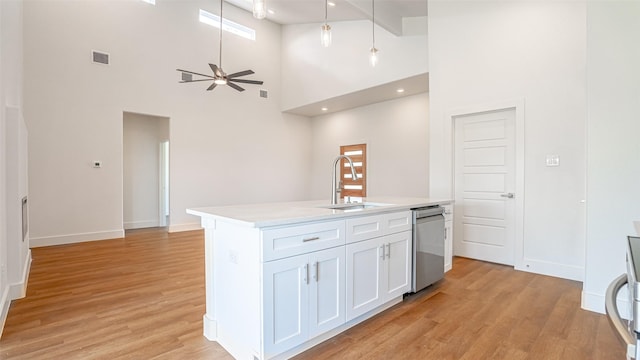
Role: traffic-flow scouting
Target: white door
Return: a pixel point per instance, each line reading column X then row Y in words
column 484, row 221
column 363, row 276
column 326, row 291
column 397, row 279
column 286, row 299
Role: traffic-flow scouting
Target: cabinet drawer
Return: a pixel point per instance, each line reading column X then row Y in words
column 294, row 240
column 363, row 228
column 398, row 222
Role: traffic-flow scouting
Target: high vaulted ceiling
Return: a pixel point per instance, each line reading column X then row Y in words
column 388, row 13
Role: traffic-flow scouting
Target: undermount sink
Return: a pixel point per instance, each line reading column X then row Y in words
column 352, row 207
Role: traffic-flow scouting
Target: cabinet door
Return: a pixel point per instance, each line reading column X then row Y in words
column 397, row 279
column 363, row 276
column 286, row 299
column 326, row 290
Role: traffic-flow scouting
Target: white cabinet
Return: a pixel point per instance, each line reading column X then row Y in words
column 364, row 276
column 448, row 236
column 304, row 296
column 378, row 269
column 397, row 265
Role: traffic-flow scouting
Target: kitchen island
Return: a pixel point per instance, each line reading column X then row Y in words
column 283, row 277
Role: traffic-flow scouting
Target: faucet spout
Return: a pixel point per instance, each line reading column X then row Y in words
column 334, row 190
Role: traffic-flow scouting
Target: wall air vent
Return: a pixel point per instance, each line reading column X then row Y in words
column 187, row 77
column 100, row 57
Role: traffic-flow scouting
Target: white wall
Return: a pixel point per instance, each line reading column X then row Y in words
column 395, row 132
column 223, row 147
column 313, row 73
column 613, row 93
column 481, row 53
column 14, row 254
column 142, row 135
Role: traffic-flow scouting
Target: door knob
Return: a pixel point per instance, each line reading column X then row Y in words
column 508, row 195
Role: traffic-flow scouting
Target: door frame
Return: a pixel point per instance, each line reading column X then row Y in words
column 519, row 106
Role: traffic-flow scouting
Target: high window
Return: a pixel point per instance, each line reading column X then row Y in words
column 349, row 186
column 227, row 25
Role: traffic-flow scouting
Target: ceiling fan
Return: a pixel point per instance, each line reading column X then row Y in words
column 219, row 76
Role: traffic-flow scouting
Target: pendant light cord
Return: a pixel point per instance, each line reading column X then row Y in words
column 220, row 62
column 326, row 4
column 373, row 21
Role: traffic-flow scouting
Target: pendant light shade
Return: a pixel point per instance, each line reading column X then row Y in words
column 325, row 35
column 325, row 31
column 373, row 57
column 259, row 9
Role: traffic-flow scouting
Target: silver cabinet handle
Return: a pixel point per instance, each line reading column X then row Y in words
column 306, row 274
column 508, row 195
column 311, row 239
column 382, row 252
column 315, row 271
column 445, row 233
column 388, row 251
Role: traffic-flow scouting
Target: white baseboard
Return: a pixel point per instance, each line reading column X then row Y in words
column 141, row 224
column 19, row 290
column 552, row 269
column 595, row 302
column 5, row 302
column 75, row 238
column 185, row 227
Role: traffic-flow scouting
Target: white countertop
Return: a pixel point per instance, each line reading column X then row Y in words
column 287, row 213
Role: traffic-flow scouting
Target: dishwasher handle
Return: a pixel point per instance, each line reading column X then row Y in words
column 424, row 212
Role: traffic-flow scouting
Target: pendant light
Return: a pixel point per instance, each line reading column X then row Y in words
column 325, row 33
column 259, row 9
column 373, row 53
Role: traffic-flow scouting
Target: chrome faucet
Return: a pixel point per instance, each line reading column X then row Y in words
column 334, row 191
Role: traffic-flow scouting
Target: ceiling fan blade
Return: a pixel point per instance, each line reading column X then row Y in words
column 241, row 73
column 194, row 73
column 216, row 70
column 257, row 82
column 235, row 86
column 185, row 81
column 212, row 87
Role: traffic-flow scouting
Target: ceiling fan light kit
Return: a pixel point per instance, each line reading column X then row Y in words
column 219, row 76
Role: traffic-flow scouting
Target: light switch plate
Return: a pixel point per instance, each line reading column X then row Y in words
column 553, row 160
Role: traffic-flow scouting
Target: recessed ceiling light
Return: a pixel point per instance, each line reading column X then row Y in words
column 324, row 109
column 400, row 91
column 331, row 3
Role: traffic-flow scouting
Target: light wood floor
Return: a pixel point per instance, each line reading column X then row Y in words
column 142, row 297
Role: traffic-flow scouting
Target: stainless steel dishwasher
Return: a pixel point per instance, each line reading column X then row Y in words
column 428, row 246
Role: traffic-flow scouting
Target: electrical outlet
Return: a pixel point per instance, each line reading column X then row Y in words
column 97, row 164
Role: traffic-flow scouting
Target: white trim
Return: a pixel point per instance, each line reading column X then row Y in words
column 552, row 269
column 519, row 105
column 185, row 227
column 141, row 224
column 5, row 302
column 593, row 302
column 75, row 238
column 19, row 290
